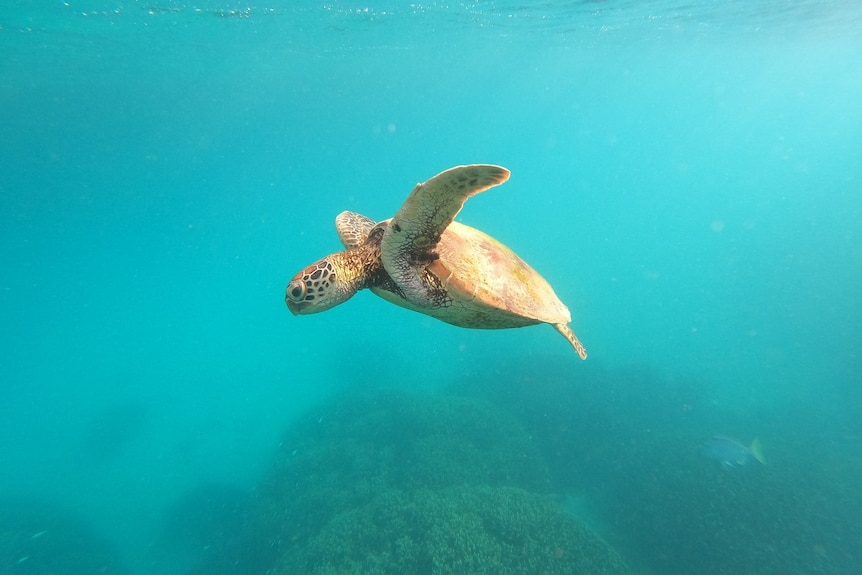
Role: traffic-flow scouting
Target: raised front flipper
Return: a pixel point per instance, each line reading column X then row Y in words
column 409, row 240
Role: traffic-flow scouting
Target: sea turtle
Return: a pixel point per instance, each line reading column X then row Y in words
column 424, row 261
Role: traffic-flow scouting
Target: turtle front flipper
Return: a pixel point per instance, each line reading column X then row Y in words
column 353, row 229
column 411, row 236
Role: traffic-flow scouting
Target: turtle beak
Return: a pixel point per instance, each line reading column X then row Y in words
column 294, row 308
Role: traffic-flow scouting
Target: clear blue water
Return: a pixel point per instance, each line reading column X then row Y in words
column 688, row 176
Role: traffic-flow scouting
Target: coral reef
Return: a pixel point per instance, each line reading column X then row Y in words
column 344, row 454
column 468, row 529
column 392, row 482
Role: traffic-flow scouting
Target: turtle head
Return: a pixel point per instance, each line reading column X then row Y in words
column 322, row 285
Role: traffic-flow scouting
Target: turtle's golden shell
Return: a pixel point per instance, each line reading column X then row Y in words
column 488, row 285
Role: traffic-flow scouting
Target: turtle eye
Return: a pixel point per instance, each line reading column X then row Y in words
column 296, row 290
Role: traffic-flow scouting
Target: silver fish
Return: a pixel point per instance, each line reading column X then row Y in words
column 731, row 453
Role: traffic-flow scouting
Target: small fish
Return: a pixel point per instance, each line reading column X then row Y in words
column 731, row 453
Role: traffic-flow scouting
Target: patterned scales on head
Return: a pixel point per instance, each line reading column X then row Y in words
column 424, row 261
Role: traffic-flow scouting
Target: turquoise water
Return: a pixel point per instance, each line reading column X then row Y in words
column 687, row 175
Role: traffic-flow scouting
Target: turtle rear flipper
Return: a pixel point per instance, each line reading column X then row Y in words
column 567, row 333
